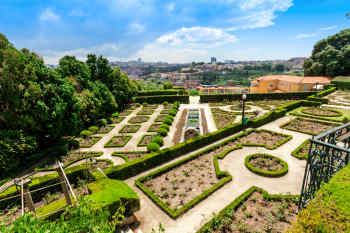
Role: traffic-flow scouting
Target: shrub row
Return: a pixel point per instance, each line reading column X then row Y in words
column 152, row 160
column 184, row 99
column 342, row 83
column 162, row 92
column 261, row 172
column 318, row 96
column 255, row 96
column 217, row 220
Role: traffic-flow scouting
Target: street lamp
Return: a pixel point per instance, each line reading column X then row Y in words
column 244, row 97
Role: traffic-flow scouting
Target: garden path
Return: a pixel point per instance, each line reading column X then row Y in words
column 151, row 215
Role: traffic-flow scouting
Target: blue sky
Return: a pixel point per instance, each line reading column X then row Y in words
column 171, row 30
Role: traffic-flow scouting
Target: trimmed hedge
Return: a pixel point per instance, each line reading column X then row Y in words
column 138, row 166
column 124, row 156
column 214, row 223
column 126, row 129
column 329, row 211
column 93, row 142
column 184, row 99
column 255, row 96
column 342, row 82
column 261, row 172
column 296, row 154
column 161, row 92
column 226, row 177
column 335, row 112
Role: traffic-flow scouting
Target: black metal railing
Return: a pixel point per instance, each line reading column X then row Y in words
column 328, row 153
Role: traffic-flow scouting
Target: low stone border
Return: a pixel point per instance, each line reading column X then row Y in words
column 261, row 172
column 336, row 112
column 213, row 224
column 109, row 145
column 296, row 154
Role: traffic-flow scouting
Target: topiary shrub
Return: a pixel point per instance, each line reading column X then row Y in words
column 93, row 129
column 144, row 104
column 115, row 115
column 165, row 103
column 138, row 105
column 168, row 121
column 345, row 119
column 158, row 140
column 163, row 132
column 102, row 122
column 165, row 126
column 85, row 133
column 173, row 112
column 153, row 147
column 109, row 120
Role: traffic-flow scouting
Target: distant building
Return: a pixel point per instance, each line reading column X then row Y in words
column 287, row 83
column 192, row 84
column 139, row 60
column 213, row 89
column 213, row 60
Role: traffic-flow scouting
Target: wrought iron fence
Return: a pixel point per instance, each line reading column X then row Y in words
column 328, row 153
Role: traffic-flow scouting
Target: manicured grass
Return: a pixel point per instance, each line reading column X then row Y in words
column 118, row 141
column 345, row 115
column 51, row 207
column 330, row 209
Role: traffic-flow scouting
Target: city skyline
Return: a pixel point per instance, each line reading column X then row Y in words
column 172, row 31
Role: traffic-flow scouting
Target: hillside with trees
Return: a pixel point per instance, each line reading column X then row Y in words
column 330, row 56
column 40, row 105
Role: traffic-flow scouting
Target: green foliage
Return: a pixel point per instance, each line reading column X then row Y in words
column 153, row 147
column 168, row 85
column 165, row 103
column 329, row 211
column 115, row 115
column 330, row 56
column 102, row 122
column 163, row 132
column 93, row 129
column 168, row 120
column 158, row 140
column 165, row 126
column 85, row 133
column 158, row 99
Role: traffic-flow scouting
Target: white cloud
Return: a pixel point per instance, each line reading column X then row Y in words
column 305, row 35
column 137, row 28
column 328, row 28
column 49, row 15
column 186, row 44
column 107, row 50
column 274, row 5
column 171, row 7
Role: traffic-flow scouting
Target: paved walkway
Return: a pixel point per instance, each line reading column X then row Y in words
column 151, row 215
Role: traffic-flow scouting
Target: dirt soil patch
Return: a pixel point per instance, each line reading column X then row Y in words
column 179, row 127
column 183, row 183
column 130, row 129
column 125, row 113
column 261, row 138
column 165, row 111
column 146, row 111
column 308, row 126
column 89, row 141
column 160, row 118
column 154, row 128
column 118, row 141
column 266, row 164
column 321, row 112
column 138, row 119
column 118, row 120
column 105, row 129
column 147, row 139
column 258, row 214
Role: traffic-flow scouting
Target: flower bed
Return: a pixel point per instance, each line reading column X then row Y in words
column 146, row 111
column 323, row 112
column 308, row 126
column 125, row 113
column 179, row 127
column 165, row 111
column 255, row 211
column 138, row 119
column 222, row 118
column 89, row 141
column 118, row 120
column 239, row 107
column 130, row 155
column 105, row 129
column 302, row 151
column 266, row 165
column 160, row 118
column 145, row 140
column 130, row 129
column 118, row 141
column 154, row 128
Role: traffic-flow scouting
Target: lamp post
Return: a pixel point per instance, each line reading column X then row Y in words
column 244, row 97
